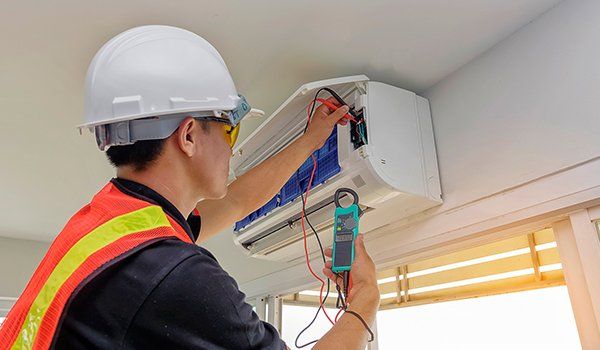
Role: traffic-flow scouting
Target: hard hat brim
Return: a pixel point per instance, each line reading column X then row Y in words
column 216, row 113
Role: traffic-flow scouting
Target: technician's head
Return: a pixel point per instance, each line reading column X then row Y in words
column 162, row 96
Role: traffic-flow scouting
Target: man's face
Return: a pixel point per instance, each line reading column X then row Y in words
column 212, row 163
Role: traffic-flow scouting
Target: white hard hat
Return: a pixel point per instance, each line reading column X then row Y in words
column 144, row 81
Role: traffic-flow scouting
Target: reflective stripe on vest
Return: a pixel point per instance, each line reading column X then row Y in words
column 33, row 321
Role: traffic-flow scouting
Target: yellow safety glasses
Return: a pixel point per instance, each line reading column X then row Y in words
column 231, row 133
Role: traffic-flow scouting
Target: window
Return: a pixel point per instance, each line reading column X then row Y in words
column 474, row 284
column 534, row 319
column 296, row 317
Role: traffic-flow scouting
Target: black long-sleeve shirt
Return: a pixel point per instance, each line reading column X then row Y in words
column 167, row 295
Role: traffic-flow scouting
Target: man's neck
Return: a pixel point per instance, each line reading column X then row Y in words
column 176, row 191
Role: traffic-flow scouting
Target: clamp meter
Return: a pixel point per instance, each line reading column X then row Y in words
column 345, row 230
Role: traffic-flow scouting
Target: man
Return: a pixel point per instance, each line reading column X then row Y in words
column 124, row 273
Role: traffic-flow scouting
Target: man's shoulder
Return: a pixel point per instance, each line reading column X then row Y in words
column 178, row 245
column 179, row 250
column 174, row 254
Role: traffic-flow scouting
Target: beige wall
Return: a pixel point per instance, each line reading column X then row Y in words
column 18, row 260
column 526, row 108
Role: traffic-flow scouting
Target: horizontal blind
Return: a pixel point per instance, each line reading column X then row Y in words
column 520, row 263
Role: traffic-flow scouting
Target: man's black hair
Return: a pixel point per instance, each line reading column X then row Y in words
column 139, row 155
column 142, row 153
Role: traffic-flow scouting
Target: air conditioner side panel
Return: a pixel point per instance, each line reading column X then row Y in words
column 432, row 174
column 394, row 137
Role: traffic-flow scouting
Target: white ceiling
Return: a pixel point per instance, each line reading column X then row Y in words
column 48, row 171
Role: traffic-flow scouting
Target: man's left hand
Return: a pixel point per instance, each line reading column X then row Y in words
column 323, row 121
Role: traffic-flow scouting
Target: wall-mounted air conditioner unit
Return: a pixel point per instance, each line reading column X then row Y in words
column 390, row 162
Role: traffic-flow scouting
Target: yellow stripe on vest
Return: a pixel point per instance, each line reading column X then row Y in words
column 148, row 218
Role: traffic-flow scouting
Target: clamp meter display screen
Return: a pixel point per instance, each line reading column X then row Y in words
column 345, row 228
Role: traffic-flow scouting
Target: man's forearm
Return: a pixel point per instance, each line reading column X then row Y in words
column 256, row 187
column 267, row 178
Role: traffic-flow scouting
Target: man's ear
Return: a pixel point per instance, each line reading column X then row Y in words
column 186, row 138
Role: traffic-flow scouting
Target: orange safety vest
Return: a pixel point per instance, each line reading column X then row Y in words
column 113, row 224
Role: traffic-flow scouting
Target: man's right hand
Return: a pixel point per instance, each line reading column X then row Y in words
column 363, row 275
column 348, row 332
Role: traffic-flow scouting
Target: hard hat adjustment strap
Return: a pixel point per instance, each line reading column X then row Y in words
column 238, row 113
column 129, row 131
column 154, row 128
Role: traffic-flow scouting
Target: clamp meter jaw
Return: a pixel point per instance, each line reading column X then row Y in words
column 345, row 231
